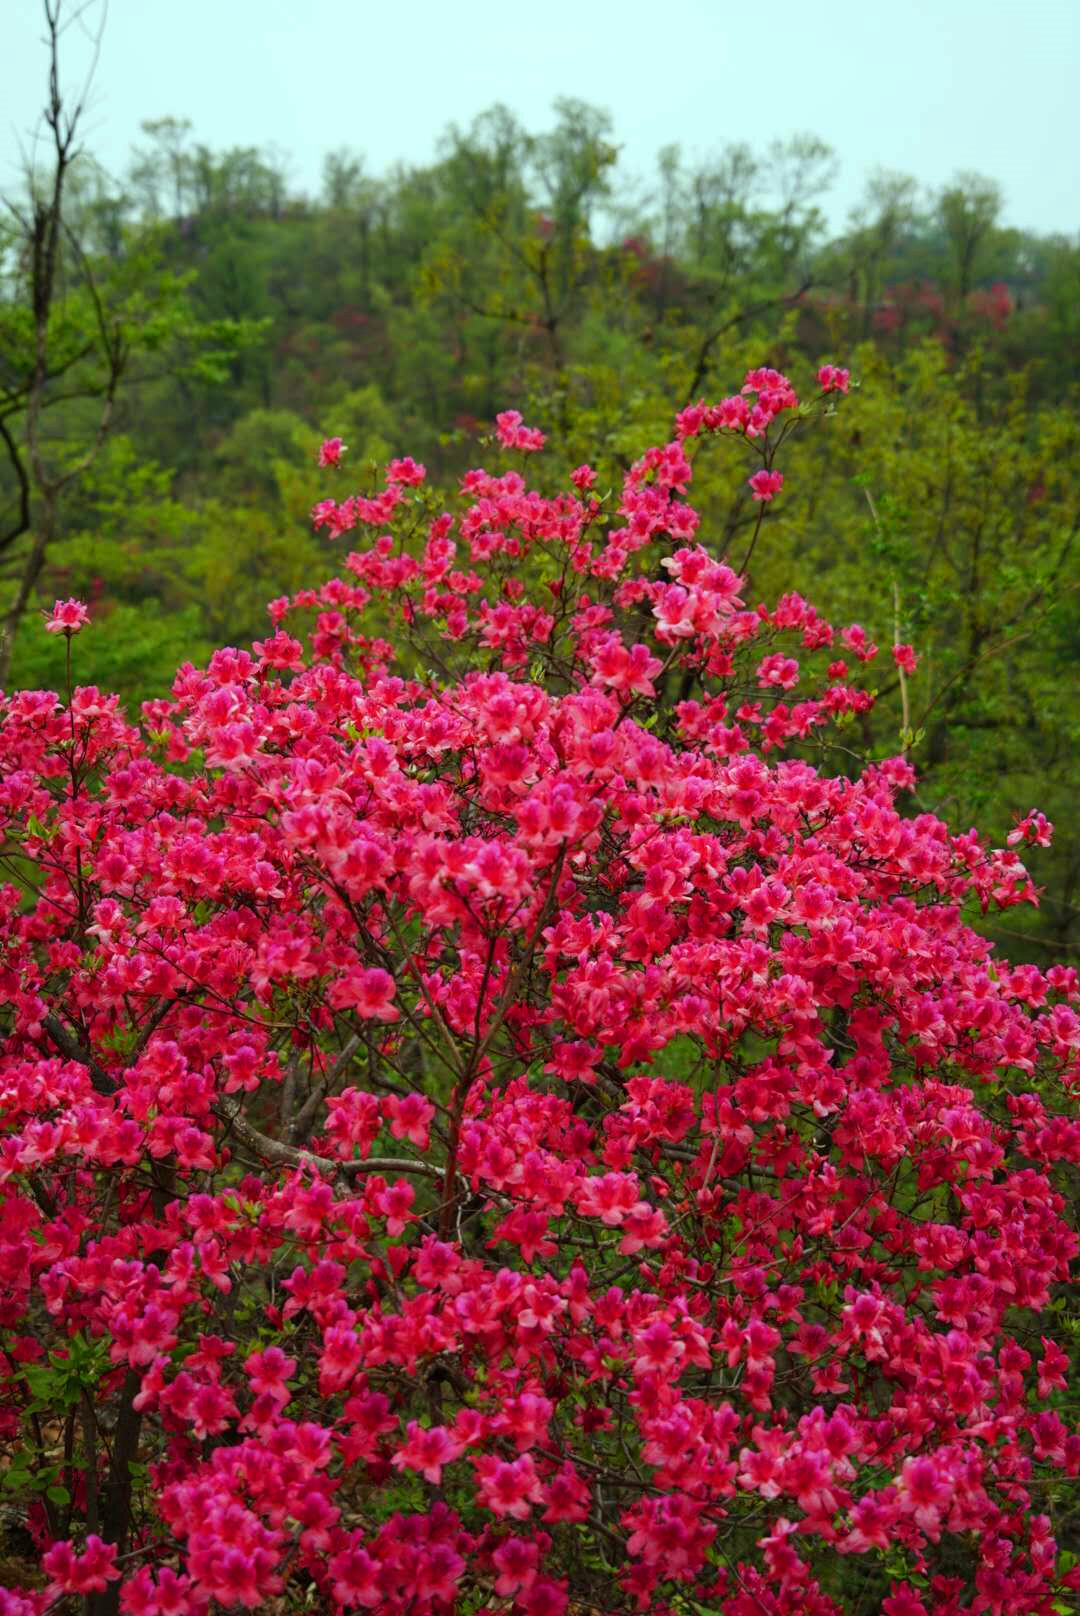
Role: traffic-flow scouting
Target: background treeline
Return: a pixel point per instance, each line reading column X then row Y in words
column 160, row 408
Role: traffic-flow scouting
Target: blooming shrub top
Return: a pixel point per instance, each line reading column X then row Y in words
column 487, row 1125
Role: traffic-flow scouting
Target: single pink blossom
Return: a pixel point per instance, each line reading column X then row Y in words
column 766, row 483
column 68, row 617
column 331, row 451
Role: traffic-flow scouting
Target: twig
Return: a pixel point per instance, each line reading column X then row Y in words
column 305, row 1118
column 701, row 364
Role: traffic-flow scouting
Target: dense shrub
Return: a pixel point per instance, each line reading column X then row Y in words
column 488, row 1124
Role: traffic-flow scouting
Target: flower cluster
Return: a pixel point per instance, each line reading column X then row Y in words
column 485, row 1123
column 513, row 434
column 833, row 379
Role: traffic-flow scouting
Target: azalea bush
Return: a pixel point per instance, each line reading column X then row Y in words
column 492, row 1121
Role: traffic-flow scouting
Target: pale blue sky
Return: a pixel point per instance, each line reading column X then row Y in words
column 927, row 87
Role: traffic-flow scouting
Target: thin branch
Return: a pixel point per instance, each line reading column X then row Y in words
column 14, row 400
column 701, row 363
column 150, row 1028
column 905, row 702
column 906, row 735
column 992, row 650
column 22, row 521
column 304, row 1120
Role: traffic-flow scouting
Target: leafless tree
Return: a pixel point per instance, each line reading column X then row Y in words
column 52, row 367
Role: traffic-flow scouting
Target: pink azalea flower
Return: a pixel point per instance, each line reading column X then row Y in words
column 67, row 617
column 331, row 451
column 766, row 484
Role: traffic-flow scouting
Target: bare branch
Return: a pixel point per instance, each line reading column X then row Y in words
column 273, row 1150
column 69, row 1046
column 304, row 1120
column 701, row 363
